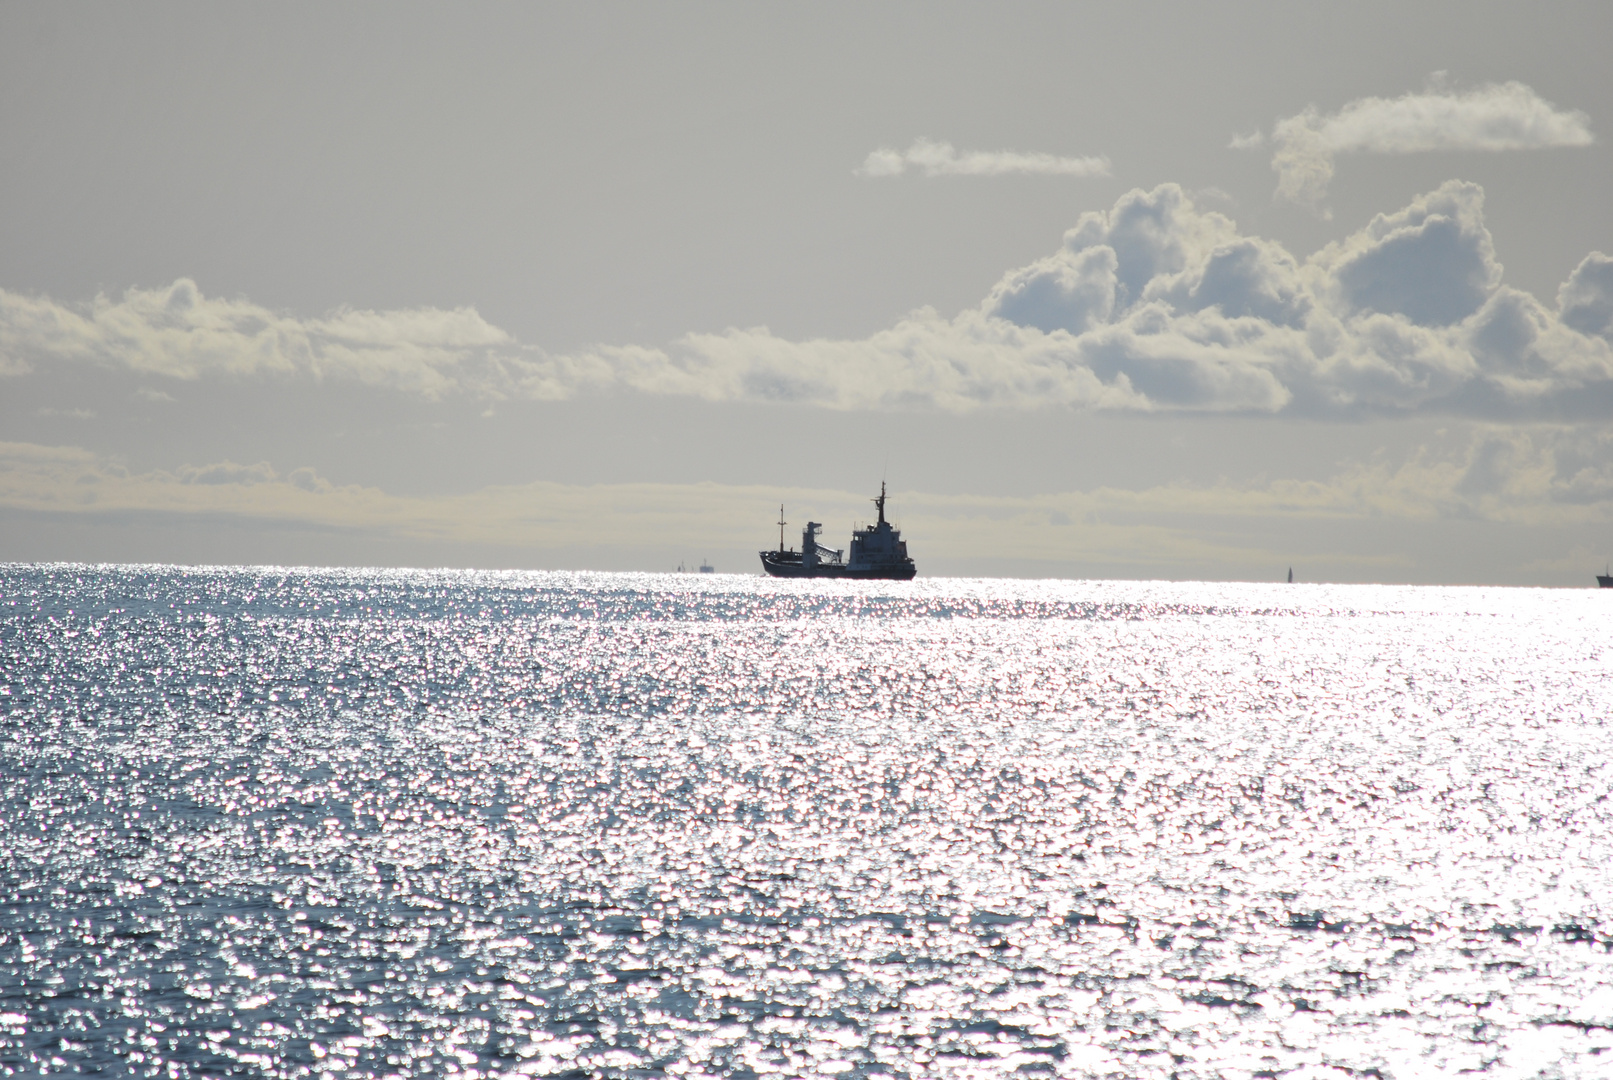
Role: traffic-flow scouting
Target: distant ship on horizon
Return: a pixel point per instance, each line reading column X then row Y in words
column 1605, row 580
column 877, row 552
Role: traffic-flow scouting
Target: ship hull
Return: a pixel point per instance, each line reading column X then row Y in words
column 1604, row 581
column 792, row 568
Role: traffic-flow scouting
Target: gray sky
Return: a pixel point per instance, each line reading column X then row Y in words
column 600, row 286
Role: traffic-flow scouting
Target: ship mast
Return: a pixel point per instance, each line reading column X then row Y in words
column 781, row 527
column 880, row 502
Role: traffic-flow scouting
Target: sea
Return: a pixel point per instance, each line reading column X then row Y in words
column 278, row 822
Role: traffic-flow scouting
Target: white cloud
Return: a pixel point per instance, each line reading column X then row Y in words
column 1432, row 262
column 307, row 479
column 1586, row 298
column 1154, row 305
column 1496, row 116
column 180, row 333
column 228, row 472
column 941, row 159
column 66, row 414
column 1157, row 305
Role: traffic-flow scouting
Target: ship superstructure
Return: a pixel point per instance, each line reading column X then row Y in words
column 877, row 551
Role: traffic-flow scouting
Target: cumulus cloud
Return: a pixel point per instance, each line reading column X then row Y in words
column 1153, row 305
column 941, row 159
column 1157, row 305
column 307, row 479
column 1432, row 262
column 180, row 333
column 1496, row 116
column 1586, row 298
column 1540, row 476
column 228, row 472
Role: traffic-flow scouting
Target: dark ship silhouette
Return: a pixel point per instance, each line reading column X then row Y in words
column 1605, row 580
column 877, row 552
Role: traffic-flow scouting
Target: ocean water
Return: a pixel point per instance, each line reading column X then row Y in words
column 293, row 823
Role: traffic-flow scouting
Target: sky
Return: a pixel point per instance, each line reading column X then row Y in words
column 1165, row 291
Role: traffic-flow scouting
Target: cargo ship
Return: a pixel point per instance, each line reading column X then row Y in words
column 878, row 552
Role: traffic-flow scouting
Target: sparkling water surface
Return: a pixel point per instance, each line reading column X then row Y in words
column 290, row 823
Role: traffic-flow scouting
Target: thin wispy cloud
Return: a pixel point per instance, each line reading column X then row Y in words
column 1539, row 478
column 942, row 159
column 1493, row 117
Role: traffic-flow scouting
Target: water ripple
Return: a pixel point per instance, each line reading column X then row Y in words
column 366, row 823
